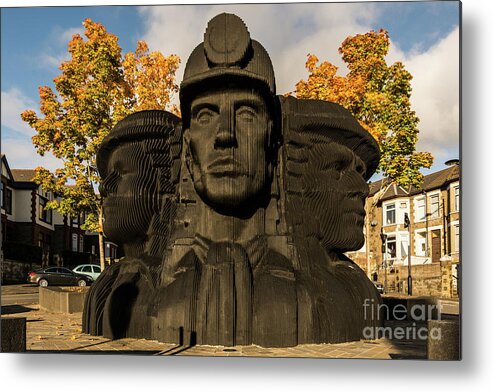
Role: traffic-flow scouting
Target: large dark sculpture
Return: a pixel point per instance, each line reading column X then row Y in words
column 234, row 222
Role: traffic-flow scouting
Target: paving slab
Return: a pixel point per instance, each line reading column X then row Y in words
column 62, row 333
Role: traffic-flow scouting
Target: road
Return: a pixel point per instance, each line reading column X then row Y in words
column 19, row 294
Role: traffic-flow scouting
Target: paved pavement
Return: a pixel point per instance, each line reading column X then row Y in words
column 19, row 294
column 54, row 332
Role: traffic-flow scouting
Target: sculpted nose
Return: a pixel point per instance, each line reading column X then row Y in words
column 225, row 136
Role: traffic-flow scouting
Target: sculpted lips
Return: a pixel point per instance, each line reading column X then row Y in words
column 225, row 166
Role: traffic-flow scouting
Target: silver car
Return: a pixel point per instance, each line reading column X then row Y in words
column 91, row 270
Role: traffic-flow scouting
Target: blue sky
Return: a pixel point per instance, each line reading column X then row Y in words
column 424, row 36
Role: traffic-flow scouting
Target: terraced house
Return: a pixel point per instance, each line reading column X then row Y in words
column 33, row 235
column 417, row 226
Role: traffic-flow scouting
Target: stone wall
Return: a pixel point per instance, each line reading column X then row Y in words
column 16, row 271
column 428, row 280
column 62, row 299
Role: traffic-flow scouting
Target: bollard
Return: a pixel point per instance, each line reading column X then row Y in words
column 13, row 331
column 444, row 340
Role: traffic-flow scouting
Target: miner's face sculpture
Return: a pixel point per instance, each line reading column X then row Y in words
column 228, row 140
column 336, row 193
column 129, row 194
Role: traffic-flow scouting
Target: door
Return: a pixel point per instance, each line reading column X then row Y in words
column 436, row 246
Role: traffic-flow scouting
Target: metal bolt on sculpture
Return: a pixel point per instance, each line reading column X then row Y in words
column 235, row 218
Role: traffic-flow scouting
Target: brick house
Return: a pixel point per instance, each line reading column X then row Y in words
column 30, row 232
column 433, row 233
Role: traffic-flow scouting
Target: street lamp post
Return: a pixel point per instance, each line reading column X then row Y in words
column 384, row 254
column 407, row 223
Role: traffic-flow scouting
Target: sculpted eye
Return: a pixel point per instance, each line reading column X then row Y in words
column 246, row 114
column 205, row 116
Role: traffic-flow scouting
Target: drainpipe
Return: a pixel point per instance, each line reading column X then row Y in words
column 445, row 237
column 426, row 223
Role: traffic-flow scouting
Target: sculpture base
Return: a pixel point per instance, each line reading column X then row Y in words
column 282, row 308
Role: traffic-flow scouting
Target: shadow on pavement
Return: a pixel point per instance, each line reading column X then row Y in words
column 14, row 309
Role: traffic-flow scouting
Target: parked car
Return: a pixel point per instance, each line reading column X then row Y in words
column 58, row 276
column 91, row 270
column 379, row 287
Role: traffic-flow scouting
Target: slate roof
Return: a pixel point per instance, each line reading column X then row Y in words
column 431, row 181
column 23, row 175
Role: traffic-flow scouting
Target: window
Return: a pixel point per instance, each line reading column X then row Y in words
column 87, row 268
column 390, row 214
column 419, row 213
column 404, row 240
column 41, row 240
column 75, row 241
column 81, row 243
column 456, row 238
column 391, row 247
column 44, row 214
column 456, row 198
column 435, row 206
column 8, row 201
column 420, row 244
column 96, row 268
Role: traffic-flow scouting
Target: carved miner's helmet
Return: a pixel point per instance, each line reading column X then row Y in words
column 227, row 55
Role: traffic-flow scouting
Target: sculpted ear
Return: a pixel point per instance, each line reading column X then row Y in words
column 187, row 151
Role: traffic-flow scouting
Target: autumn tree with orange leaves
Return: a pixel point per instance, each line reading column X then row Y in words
column 378, row 95
column 97, row 87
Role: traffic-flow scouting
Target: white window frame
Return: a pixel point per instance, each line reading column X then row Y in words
column 403, row 211
column 418, row 237
column 399, row 237
column 389, row 257
column 456, row 227
column 385, row 210
column 456, row 189
column 420, row 199
column 75, row 241
column 430, row 211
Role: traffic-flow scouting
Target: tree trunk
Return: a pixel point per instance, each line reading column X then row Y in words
column 101, row 241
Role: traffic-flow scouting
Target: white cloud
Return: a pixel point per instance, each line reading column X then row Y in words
column 65, row 36
column 435, row 94
column 21, row 154
column 13, row 104
column 288, row 32
column 55, row 53
column 16, row 134
column 52, row 61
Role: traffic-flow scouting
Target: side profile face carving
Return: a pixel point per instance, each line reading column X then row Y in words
column 228, row 140
column 338, row 181
column 129, row 193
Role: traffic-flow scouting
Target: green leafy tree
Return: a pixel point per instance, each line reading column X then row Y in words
column 97, row 87
column 378, row 95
